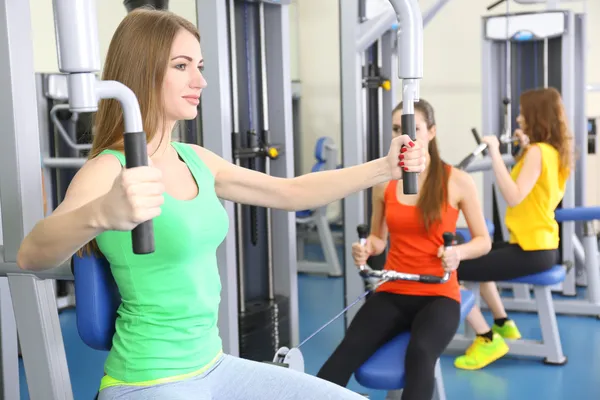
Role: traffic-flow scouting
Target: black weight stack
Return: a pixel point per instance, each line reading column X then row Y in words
column 264, row 328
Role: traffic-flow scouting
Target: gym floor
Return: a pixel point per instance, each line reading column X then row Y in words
column 321, row 299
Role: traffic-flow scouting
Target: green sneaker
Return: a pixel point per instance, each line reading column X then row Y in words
column 482, row 353
column 508, row 331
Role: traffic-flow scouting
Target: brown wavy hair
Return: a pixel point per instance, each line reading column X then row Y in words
column 433, row 196
column 137, row 57
column 545, row 121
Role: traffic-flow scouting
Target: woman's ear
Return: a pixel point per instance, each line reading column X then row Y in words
column 432, row 132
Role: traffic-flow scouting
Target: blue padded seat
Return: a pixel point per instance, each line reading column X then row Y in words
column 577, row 214
column 554, row 275
column 384, row 370
column 98, row 299
column 464, row 232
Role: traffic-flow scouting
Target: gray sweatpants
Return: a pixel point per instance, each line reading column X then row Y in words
column 233, row 378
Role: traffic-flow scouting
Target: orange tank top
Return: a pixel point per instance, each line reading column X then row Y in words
column 414, row 250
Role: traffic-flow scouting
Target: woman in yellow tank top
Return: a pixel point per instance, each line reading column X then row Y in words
column 532, row 190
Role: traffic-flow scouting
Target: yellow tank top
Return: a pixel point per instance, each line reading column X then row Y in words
column 531, row 223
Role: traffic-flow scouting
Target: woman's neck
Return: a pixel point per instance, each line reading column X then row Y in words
column 159, row 146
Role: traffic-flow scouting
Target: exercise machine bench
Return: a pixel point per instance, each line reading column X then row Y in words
column 589, row 306
column 326, row 155
column 384, row 370
column 550, row 347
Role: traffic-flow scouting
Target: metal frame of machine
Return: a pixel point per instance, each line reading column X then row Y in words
column 357, row 36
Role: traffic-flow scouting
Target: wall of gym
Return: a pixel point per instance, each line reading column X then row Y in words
column 452, row 65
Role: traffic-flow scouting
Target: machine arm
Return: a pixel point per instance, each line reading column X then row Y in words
column 410, row 70
column 78, row 55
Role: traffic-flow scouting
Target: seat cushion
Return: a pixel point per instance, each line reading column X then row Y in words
column 577, row 214
column 554, row 275
column 384, row 370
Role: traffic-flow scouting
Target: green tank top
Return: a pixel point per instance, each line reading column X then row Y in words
column 167, row 322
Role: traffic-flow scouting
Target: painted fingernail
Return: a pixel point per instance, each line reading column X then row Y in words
column 401, row 156
column 406, row 169
column 411, row 144
column 403, row 150
column 401, row 163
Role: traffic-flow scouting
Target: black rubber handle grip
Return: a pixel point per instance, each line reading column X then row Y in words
column 448, row 238
column 409, row 179
column 430, row 279
column 363, row 231
column 136, row 155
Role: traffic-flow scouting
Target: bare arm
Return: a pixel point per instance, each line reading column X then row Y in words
column 75, row 222
column 480, row 244
column 379, row 230
column 310, row 191
column 515, row 191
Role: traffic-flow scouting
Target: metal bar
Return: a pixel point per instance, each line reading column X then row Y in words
column 60, row 162
column 61, row 130
column 433, row 11
column 371, row 30
column 216, row 119
column 485, row 163
column 42, row 344
column 592, row 87
column 353, row 142
column 388, row 97
column 9, row 363
column 285, row 274
column 62, row 272
column 265, row 124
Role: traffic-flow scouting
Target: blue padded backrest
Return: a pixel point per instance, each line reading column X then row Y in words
column 97, row 299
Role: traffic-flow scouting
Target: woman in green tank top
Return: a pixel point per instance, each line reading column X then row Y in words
column 167, row 342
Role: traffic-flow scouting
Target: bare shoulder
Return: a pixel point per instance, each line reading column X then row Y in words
column 94, row 179
column 212, row 160
column 461, row 179
column 98, row 171
column 533, row 153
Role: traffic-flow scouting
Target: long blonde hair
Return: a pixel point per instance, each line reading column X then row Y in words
column 137, row 57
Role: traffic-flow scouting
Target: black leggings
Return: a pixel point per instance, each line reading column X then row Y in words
column 506, row 261
column 432, row 321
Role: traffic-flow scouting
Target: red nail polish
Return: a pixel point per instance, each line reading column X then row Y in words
column 401, row 156
column 406, row 169
column 411, row 144
column 403, row 150
column 401, row 163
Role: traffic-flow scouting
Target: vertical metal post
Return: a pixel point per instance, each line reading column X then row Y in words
column 389, row 59
column 491, row 70
column 21, row 199
column 353, row 152
column 568, row 96
column 285, row 276
column 216, row 119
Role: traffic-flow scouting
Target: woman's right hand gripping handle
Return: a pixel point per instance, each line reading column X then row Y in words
column 102, row 196
column 135, row 197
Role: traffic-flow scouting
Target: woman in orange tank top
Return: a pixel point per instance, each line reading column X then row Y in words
column 415, row 224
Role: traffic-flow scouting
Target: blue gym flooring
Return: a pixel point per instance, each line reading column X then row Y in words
column 320, row 299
